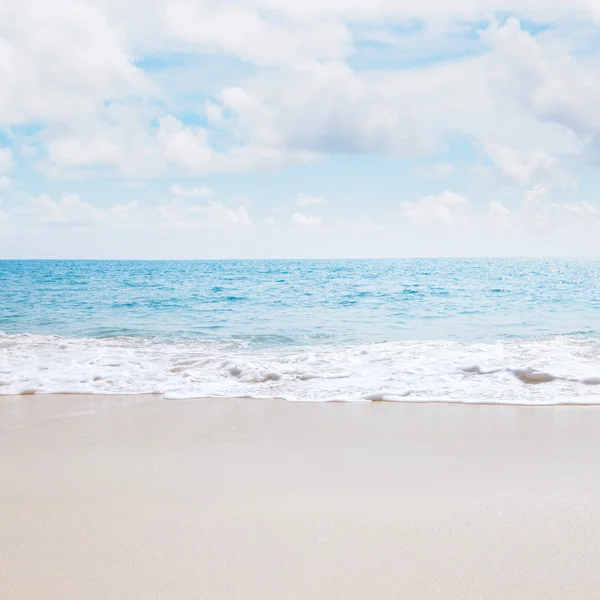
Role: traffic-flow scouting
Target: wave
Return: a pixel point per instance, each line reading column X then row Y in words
column 554, row 370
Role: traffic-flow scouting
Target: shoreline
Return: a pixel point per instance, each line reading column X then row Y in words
column 165, row 397
column 550, row 370
column 136, row 497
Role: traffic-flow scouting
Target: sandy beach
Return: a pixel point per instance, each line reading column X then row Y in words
column 143, row 498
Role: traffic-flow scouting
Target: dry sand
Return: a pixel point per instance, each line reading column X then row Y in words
column 146, row 498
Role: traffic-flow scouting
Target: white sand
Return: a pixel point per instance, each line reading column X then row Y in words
column 145, row 498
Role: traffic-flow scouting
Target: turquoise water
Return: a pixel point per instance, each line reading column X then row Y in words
column 435, row 330
column 302, row 302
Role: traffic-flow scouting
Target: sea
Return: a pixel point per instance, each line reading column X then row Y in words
column 507, row 331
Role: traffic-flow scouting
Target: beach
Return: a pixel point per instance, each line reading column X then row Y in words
column 299, row 300
column 138, row 497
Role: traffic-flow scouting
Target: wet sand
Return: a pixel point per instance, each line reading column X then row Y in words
column 145, row 498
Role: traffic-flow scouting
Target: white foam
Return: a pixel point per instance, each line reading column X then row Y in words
column 547, row 371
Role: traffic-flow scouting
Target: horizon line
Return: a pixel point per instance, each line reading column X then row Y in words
column 305, row 258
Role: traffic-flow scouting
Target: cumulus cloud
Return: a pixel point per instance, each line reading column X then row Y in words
column 90, row 90
column 186, row 146
column 444, row 209
column 215, row 228
column 527, row 167
column 68, row 210
column 118, row 139
column 123, row 142
column 219, row 212
column 57, row 60
column 549, row 86
column 109, row 112
column 209, row 214
column 325, row 109
column 244, row 31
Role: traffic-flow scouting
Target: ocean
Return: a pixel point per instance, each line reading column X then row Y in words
column 419, row 330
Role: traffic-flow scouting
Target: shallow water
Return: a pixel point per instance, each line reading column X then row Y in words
column 525, row 331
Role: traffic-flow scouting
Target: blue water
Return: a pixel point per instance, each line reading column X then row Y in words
column 506, row 331
column 304, row 301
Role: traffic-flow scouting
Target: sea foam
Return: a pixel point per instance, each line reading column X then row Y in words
column 560, row 369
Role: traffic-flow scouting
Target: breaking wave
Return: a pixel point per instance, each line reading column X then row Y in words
column 553, row 370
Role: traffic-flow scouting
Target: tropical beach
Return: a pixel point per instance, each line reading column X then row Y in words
column 339, row 429
column 299, row 300
column 141, row 497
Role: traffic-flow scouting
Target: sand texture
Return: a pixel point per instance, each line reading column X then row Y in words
column 144, row 498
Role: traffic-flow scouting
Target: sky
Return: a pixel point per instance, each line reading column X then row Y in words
column 192, row 129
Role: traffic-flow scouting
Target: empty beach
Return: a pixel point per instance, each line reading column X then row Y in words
column 130, row 497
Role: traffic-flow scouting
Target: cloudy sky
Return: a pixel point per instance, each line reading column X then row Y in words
column 285, row 128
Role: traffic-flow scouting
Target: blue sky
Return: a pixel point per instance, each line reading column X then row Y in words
column 268, row 128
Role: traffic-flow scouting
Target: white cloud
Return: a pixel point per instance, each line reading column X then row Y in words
column 201, row 191
column 209, row 214
column 444, row 209
column 305, row 220
column 242, row 30
column 215, row 229
column 314, row 104
column 352, row 10
column 261, row 85
column 326, row 109
column 122, row 142
column 527, row 167
column 57, row 60
column 116, row 138
column 310, row 200
column 183, row 145
column 6, row 160
column 551, row 86
column 5, row 183
column 69, row 210
column 220, row 212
